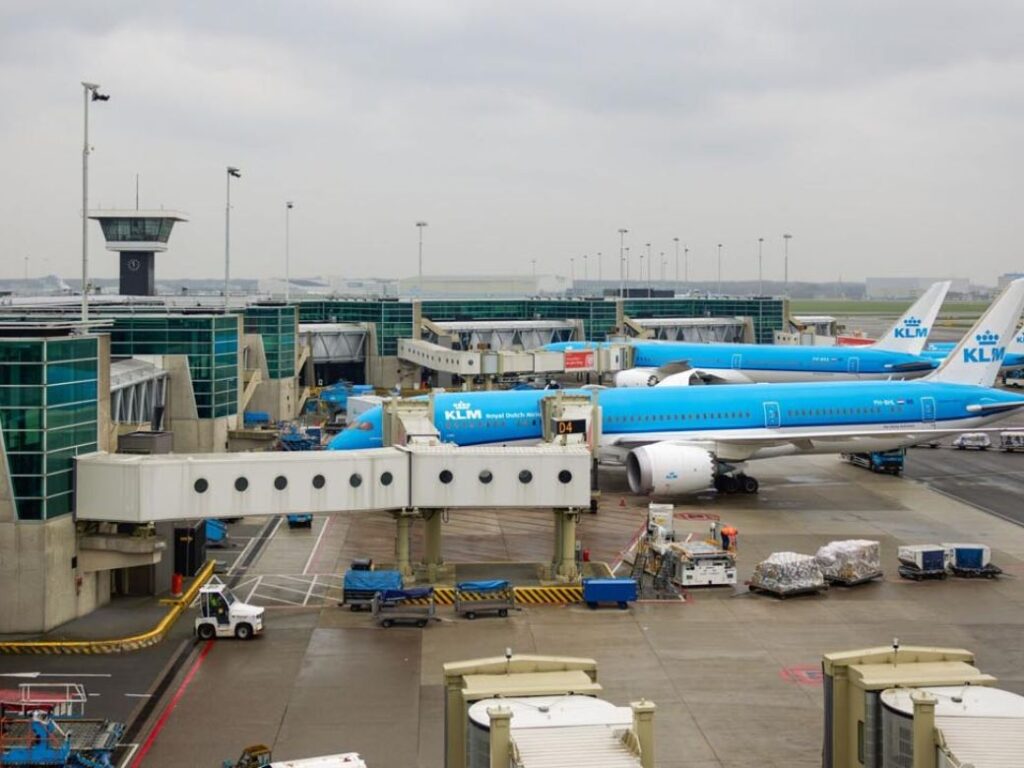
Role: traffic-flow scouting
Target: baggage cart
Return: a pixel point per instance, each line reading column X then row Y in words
column 622, row 592
column 970, row 561
column 788, row 574
column 475, row 597
column 396, row 606
column 362, row 586
column 922, row 561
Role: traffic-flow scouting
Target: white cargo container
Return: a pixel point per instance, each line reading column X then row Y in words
column 924, row 557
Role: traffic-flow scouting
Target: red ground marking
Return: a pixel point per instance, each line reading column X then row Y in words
column 165, row 715
column 709, row 516
column 802, row 674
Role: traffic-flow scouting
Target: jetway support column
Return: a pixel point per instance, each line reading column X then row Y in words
column 402, row 562
column 432, row 542
column 565, row 544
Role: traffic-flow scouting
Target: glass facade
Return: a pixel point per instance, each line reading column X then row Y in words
column 276, row 324
column 394, row 318
column 209, row 341
column 768, row 314
column 136, row 230
column 49, row 414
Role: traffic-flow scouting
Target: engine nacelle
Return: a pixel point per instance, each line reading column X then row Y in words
column 665, row 469
column 637, row 377
column 687, row 378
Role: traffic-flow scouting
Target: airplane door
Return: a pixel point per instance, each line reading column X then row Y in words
column 928, row 409
column 737, row 361
column 772, row 416
column 853, row 365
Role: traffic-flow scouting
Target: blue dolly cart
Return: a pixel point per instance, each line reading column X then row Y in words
column 622, row 592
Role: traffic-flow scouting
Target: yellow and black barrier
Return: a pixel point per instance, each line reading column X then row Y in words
column 117, row 645
column 556, row 595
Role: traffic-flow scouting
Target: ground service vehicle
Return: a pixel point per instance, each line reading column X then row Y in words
column 978, row 441
column 889, row 462
column 221, row 614
column 1011, row 441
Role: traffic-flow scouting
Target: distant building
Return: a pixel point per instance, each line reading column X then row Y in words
column 911, row 287
column 483, row 286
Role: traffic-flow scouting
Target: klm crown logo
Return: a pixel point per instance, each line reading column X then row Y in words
column 911, row 329
column 462, row 411
column 987, row 350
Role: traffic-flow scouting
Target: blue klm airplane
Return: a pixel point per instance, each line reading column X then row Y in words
column 897, row 354
column 677, row 440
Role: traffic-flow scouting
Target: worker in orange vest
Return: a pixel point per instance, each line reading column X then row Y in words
column 729, row 534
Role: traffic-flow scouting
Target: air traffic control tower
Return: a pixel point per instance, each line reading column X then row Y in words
column 138, row 236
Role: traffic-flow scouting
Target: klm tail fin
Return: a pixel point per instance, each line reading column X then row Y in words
column 976, row 359
column 910, row 332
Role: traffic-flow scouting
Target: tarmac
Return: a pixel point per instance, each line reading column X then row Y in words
column 735, row 676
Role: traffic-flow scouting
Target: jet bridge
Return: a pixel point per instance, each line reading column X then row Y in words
column 694, row 329
column 471, row 363
column 414, row 481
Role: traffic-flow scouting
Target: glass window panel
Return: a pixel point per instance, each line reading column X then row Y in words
column 25, row 463
column 58, row 505
column 27, row 485
column 20, row 351
column 24, row 418
column 30, row 509
column 21, row 396
column 21, row 375
column 30, row 441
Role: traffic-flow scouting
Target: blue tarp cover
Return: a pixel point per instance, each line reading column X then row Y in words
column 406, row 594
column 493, row 585
column 374, row 581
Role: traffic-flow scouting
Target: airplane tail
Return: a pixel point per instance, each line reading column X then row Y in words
column 910, row 332
column 978, row 356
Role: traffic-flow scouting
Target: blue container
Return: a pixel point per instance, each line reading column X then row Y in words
column 969, row 557
column 620, row 591
column 252, row 418
column 933, row 560
column 216, row 532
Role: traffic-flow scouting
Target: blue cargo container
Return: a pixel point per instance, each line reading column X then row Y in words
column 619, row 591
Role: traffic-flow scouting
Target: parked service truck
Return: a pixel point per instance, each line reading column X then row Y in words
column 889, row 462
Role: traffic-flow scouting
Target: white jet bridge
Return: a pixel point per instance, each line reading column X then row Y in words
column 412, row 481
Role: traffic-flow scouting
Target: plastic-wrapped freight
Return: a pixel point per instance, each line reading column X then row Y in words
column 850, row 562
column 787, row 573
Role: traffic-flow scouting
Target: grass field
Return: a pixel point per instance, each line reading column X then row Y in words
column 884, row 308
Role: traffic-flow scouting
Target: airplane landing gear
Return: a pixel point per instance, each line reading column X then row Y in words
column 736, row 483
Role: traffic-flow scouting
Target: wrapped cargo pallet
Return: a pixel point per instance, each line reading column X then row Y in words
column 788, row 573
column 854, row 561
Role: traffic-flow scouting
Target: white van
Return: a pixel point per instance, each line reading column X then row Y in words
column 1011, row 441
column 979, row 441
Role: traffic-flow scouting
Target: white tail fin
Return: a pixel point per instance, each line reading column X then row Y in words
column 910, row 332
column 976, row 359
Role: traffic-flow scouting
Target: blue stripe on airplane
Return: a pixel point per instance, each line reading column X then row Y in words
column 475, row 418
column 768, row 357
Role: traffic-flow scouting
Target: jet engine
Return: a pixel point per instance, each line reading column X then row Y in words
column 666, row 469
column 637, row 377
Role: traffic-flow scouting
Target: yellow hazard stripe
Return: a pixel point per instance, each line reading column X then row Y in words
column 526, row 595
column 115, row 645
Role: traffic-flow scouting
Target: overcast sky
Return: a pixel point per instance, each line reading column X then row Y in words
column 886, row 137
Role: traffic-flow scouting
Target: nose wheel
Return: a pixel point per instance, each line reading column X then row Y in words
column 736, row 483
